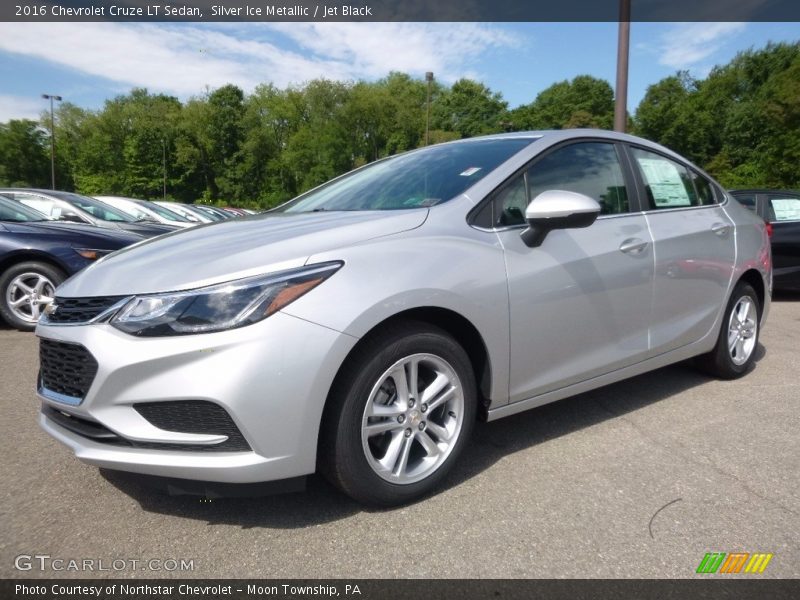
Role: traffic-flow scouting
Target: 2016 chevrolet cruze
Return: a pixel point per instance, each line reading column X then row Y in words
column 361, row 328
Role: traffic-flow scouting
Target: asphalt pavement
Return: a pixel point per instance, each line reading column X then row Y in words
column 637, row 479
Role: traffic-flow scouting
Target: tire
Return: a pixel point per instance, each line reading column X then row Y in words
column 25, row 289
column 380, row 444
column 734, row 353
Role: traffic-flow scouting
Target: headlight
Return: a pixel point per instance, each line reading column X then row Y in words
column 223, row 306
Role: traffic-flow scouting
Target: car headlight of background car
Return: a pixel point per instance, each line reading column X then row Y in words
column 91, row 253
column 219, row 307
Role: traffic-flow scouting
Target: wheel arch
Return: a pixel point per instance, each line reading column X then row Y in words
column 754, row 278
column 458, row 326
column 22, row 256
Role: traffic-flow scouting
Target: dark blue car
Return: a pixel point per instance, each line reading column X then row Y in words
column 37, row 254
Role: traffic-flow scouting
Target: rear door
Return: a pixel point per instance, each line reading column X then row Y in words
column 694, row 248
column 579, row 303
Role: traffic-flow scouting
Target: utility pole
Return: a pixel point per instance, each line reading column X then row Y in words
column 164, row 165
column 429, row 79
column 623, row 45
column 52, row 97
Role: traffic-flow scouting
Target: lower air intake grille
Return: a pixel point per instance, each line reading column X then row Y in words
column 195, row 416
column 67, row 369
column 80, row 310
column 99, row 433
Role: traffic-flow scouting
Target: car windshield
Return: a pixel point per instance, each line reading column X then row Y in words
column 99, row 210
column 129, row 208
column 420, row 178
column 163, row 212
column 19, row 213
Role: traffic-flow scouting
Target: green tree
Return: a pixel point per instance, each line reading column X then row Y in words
column 24, row 154
column 585, row 101
column 469, row 108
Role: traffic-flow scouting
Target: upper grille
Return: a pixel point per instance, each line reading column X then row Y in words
column 67, row 369
column 80, row 310
column 194, row 416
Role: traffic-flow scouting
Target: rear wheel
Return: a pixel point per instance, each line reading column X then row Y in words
column 25, row 290
column 736, row 346
column 400, row 414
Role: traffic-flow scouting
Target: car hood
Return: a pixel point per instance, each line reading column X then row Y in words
column 103, row 238
column 146, row 229
column 227, row 250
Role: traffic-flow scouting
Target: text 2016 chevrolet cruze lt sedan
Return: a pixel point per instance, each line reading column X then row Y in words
column 361, row 328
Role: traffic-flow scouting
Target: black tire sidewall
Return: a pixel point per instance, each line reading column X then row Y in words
column 723, row 365
column 353, row 474
column 55, row 275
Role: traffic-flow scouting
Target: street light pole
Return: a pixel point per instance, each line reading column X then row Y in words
column 52, row 97
column 429, row 79
column 623, row 44
column 164, row 165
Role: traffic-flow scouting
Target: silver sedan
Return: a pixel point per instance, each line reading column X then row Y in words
column 361, row 328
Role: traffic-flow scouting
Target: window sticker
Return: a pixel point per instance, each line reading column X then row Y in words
column 665, row 182
column 470, row 171
column 786, row 209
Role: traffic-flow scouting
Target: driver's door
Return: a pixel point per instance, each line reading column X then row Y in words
column 579, row 304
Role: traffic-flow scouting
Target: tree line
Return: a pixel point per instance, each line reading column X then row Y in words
column 741, row 123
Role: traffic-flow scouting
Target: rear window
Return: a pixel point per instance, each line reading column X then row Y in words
column 746, row 200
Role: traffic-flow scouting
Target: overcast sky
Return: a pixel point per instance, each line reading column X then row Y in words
column 88, row 63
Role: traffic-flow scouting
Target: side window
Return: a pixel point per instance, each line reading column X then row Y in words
column 746, row 200
column 589, row 168
column 783, row 209
column 705, row 194
column 512, row 202
column 668, row 183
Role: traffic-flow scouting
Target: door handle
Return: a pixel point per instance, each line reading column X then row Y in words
column 633, row 246
column 721, row 229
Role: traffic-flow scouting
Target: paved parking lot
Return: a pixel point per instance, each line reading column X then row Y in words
column 638, row 479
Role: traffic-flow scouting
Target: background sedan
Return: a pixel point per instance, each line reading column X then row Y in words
column 38, row 253
column 781, row 210
column 82, row 209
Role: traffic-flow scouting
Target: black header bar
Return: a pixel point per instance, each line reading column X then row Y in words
column 395, row 10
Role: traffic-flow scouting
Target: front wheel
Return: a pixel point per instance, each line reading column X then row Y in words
column 736, row 346
column 25, row 290
column 399, row 415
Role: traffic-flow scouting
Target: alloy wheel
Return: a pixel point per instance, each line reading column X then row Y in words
column 28, row 294
column 742, row 329
column 413, row 418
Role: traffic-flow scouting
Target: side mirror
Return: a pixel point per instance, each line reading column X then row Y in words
column 557, row 209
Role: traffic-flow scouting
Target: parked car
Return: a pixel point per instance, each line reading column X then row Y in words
column 38, row 253
column 236, row 212
column 185, row 211
column 215, row 213
column 82, row 209
column 362, row 326
column 781, row 209
column 141, row 210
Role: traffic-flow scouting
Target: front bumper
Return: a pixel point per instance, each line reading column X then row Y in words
column 271, row 377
